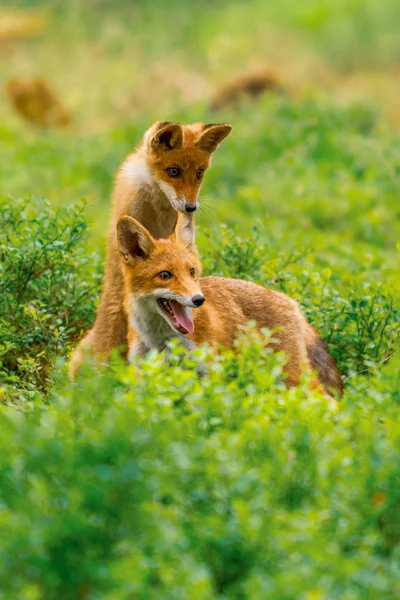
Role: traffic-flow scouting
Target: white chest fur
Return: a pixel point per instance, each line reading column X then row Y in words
column 153, row 330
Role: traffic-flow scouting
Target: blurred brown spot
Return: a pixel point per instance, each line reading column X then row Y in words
column 379, row 499
column 37, row 102
column 251, row 86
column 19, row 25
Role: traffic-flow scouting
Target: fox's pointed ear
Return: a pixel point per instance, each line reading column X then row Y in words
column 133, row 239
column 167, row 136
column 212, row 136
column 185, row 231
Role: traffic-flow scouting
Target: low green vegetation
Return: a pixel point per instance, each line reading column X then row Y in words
column 43, row 304
column 153, row 481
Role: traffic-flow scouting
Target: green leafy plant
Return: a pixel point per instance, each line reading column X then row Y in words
column 43, row 306
column 154, row 482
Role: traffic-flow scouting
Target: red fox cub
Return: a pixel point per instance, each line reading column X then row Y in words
column 161, row 177
column 165, row 298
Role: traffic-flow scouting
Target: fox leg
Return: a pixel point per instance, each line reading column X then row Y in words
column 82, row 352
column 95, row 344
column 110, row 328
column 293, row 372
column 297, row 363
column 111, row 325
column 136, row 346
column 294, row 369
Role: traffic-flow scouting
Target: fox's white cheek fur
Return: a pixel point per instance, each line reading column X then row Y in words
column 131, row 314
column 137, row 172
column 178, row 204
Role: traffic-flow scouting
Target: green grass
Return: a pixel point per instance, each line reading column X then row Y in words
column 151, row 482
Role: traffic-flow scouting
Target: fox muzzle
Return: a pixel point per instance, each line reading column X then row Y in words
column 198, row 300
column 191, row 207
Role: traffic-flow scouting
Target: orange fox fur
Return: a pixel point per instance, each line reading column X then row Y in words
column 162, row 176
column 251, row 85
column 165, row 298
column 37, row 102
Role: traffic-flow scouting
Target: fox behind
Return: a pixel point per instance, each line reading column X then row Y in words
column 165, row 297
column 161, row 177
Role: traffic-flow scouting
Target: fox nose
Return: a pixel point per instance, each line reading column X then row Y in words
column 190, row 207
column 198, row 300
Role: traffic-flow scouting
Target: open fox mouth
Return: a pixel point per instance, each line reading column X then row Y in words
column 178, row 315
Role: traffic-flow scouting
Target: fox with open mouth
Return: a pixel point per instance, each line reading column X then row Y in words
column 165, row 298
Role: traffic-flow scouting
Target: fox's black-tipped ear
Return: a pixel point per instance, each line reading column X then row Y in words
column 212, row 136
column 133, row 239
column 167, row 136
column 185, row 231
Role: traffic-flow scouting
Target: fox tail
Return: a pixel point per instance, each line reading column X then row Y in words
column 322, row 362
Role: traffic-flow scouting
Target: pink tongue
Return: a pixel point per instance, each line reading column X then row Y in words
column 181, row 315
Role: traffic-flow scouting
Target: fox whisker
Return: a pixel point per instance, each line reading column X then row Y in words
column 204, row 210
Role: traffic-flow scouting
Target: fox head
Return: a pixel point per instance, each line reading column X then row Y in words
column 175, row 157
column 161, row 275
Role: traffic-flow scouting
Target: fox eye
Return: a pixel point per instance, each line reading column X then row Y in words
column 173, row 172
column 192, row 272
column 165, row 275
column 199, row 173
